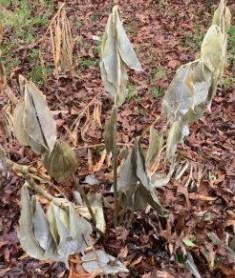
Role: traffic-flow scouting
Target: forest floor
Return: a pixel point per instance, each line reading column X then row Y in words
column 165, row 34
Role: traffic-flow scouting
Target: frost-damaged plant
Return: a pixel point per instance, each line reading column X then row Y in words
column 187, row 97
column 117, row 54
column 195, row 83
column 60, row 229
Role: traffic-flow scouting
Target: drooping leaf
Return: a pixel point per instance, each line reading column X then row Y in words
column 125, row 48
column 140, row 165
column 110, row 132
column 135, row 184
column 222, row 17
column 41, row 228
column 127, row 177
column 97, row 207
column 176, row 134
column 213, row 50
column 19, row 129
column 80, row 229
column 100, row 262
column 188, row 89
column 179, row 95
column 25, row 230
column 61, row 163
column 160, row 180
column 148, row 195
column 116, row 55
column 67, row 244
column 155, row 145
column 37, row 118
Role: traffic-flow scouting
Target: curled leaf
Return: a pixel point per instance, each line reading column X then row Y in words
column 61, row 163
column 213, row 50
column 176, row 134
column 155, row 145
column 25, row 230
column 37, row 118
column 33, row 122
column 116, row 55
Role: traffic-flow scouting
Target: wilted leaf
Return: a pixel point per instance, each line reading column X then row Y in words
column 97, row 207
column 125, row 48
column 20, row 132
column 67, row 245
column 148, row 195
column 61, row 163
column 134, row 183
column 159, row 180
column 3, row 164
column 222, row 17
column 213, row 50
column 99, row 261
column 61, row 41
column 176, row 134
column 41, row 227
column 116, row 54
column 188, row 89
column 25, row 230
column 140, row 165
column 127, row 177
column 37, row 118
column 155, row 145
column 80, row 229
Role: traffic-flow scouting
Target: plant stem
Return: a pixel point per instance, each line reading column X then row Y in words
column 83, row 194
column 115, row 168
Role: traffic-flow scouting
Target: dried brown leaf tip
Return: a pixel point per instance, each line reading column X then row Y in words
column 61, row 41
column 33, row 122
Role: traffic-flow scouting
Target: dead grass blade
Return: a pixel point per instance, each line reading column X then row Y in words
column 61, row 41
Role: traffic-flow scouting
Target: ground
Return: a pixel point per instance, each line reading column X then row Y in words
column 165, row 35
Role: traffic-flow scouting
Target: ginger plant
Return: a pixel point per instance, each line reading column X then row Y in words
column 117, row 54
